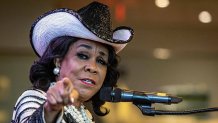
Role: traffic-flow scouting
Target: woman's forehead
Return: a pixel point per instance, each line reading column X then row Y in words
column 89, row 44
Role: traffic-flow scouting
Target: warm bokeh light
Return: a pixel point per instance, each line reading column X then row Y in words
column 162, row 53
column 3, row 116
column 120, row 12
column 4, row 82
column 205, row 17
column 162, row 3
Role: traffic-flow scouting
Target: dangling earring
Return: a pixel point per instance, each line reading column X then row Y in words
column 56, row 71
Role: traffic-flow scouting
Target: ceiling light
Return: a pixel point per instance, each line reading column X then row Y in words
column 205, row 17
column 162, row 53
column 162, row 3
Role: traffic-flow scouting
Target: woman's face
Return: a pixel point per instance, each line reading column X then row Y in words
column 85, row 64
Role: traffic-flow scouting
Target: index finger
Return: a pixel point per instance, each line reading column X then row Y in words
column 67, row 84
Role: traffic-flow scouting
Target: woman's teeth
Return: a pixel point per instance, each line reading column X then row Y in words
column 88, row 81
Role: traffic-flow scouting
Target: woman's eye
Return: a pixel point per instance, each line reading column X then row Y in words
column 102, row 61
column 82, row 56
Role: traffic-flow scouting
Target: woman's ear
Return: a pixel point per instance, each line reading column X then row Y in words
column 57, row 62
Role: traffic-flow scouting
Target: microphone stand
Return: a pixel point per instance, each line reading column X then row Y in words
column 148, row 110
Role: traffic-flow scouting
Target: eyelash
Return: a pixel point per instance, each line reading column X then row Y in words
column 85, row 57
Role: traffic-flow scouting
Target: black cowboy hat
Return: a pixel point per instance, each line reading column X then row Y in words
column 91, row 22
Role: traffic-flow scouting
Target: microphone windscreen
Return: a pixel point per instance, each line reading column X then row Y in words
column 109, row 94
column 117, row 95
column 105, row 94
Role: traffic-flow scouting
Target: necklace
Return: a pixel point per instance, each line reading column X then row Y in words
column 79, row 115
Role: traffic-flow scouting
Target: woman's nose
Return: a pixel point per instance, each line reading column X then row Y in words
column 91, row 67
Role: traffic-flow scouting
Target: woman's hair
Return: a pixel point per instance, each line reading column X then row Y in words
column 41, row 72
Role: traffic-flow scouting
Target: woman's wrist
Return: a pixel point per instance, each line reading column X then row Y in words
column 51, row 113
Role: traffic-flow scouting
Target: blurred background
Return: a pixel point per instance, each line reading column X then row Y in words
column 174, row 50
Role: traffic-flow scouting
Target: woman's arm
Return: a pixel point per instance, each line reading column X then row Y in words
column 29, row 106
column 37, row 106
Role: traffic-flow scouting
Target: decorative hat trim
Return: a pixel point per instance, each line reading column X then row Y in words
column 66, row 22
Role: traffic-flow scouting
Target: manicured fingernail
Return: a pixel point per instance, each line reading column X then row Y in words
column 72, row 99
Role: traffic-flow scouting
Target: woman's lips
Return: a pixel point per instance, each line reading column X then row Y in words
column 89, row 82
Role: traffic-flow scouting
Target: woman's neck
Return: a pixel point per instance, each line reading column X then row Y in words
column 77, row 104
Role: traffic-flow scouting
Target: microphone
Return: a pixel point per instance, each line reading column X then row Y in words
column 110, row 94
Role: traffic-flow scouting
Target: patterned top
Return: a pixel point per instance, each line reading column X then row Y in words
column 29, row 109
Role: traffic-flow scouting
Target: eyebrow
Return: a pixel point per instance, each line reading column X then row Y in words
column 89, row 47
column 85, row 45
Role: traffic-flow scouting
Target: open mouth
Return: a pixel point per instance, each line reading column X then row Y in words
column 88, row 81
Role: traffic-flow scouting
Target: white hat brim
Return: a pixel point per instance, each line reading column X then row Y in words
column 65, row 24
